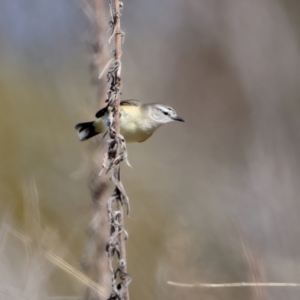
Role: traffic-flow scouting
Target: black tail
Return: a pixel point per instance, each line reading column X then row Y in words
column 86, row 130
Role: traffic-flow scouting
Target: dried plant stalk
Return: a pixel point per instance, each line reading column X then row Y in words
column 116, row 153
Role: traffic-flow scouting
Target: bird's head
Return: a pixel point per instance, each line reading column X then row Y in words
column 164, row 114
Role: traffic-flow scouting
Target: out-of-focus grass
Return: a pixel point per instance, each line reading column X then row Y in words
column 231, row 70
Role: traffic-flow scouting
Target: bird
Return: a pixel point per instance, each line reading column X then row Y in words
column 138, row 121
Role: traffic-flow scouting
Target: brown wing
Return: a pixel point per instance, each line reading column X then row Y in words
column 129, row 102
column 132, row 102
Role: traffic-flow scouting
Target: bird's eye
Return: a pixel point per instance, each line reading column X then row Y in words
column 165, row 113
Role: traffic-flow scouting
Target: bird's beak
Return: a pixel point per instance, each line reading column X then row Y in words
column 178, row 119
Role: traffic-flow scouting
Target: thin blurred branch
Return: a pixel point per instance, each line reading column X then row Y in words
column 94, row 261
column 234, row 284
column 255, row 266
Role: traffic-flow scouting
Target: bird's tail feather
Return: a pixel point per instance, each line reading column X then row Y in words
column 86, row 130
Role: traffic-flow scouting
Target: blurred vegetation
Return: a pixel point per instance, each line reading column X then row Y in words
column 199, row 190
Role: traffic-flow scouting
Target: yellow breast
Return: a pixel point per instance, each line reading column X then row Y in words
column 134, row 125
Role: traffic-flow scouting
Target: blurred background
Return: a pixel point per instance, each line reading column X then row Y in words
column 215, row 199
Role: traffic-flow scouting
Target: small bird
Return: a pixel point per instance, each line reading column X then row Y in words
column 138, row 121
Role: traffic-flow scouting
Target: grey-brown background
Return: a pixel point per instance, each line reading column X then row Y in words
column 215, row 199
